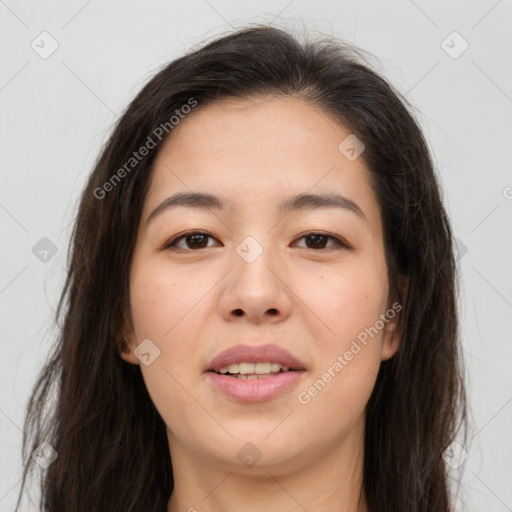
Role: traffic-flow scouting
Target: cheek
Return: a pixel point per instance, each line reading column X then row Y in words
column 349, row 303
column 333, row 402
column 344, row 300
column 170, row 313
column 163, row 302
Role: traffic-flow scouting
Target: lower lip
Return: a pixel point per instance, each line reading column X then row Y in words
column 254, row 390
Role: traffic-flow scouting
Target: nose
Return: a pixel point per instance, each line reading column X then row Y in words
column 256, row 290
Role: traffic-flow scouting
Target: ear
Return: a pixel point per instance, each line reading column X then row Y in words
column 393, row 330
column 127, row 342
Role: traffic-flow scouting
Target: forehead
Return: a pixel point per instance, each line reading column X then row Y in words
column 280, row 125
column 247, row 150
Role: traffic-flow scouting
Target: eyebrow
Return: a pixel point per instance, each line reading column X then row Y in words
column 298, row 202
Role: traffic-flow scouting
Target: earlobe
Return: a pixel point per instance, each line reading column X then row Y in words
column 391, row 342
column 126, row 344
column 393, row 332
column 126, row 352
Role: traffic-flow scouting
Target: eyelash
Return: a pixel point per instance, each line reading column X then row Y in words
column 171, row 245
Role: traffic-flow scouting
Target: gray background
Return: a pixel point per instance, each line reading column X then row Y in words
column 57, row 111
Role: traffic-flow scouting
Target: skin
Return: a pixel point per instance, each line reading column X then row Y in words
column 312, row 301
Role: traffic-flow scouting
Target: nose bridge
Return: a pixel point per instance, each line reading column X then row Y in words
column 250, row 249
column 253, row 259
column 255, row 287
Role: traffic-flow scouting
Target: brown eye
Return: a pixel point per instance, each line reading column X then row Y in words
column 319, row 241
column 195, row 240
column 190, row 241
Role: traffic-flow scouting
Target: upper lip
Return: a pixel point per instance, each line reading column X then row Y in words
column 254, row 354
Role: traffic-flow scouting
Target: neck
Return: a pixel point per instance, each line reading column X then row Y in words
column 330, row 480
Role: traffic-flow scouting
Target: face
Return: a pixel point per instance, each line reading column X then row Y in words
column 310, row 279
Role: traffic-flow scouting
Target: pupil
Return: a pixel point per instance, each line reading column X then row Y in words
column 316, row 238
column 195, row 238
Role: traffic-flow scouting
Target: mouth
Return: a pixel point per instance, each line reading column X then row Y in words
column 254, row 387
column 254, row 361
column 253, row 371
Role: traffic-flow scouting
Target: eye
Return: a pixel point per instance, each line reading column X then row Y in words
column 192, row 239
column 319, row 240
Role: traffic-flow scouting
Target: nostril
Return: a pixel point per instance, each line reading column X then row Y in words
column 238, row 312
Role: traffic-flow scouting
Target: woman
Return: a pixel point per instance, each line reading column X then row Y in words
column 260, row 307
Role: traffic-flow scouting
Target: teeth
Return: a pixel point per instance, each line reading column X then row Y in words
column 232, row 368
column 251, row 369
column 246, row 368
column 261, row 368
column 250, row 377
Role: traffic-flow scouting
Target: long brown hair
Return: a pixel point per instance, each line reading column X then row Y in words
column 93, row 408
